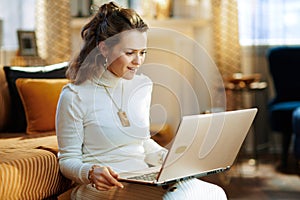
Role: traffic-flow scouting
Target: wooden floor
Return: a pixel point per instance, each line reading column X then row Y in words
column 259, row 180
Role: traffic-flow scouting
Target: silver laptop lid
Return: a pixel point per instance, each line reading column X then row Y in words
column 206, row 142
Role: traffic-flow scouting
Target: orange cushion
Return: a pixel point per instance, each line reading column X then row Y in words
column 39, row 98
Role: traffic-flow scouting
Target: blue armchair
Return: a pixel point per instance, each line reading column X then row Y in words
column 284, row 66
column 296, row 128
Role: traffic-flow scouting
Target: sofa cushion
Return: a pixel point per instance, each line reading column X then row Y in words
column 17, row 119
column 39, row 98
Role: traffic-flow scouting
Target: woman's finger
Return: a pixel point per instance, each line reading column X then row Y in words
column 104, row 178
column 111, row 177
column 103, row 187
column 113, row 173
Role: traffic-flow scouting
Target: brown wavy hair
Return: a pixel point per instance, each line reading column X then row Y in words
column 109, row 21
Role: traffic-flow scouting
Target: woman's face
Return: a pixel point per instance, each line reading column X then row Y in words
column 127, row 56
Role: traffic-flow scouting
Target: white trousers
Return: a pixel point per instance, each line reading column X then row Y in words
column 192, row 189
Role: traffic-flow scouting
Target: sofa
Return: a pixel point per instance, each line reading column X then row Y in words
column 28, row 147
column 28, row 161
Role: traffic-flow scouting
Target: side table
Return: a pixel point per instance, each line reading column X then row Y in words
column 242, row 96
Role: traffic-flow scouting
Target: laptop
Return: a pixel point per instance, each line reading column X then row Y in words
column 204, row 144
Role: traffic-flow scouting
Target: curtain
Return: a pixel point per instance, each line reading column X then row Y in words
column 53, row 20
column 227, row 51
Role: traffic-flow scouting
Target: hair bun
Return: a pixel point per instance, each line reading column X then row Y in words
column 108, row 9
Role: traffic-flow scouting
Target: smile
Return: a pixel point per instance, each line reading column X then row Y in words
column 132, row 69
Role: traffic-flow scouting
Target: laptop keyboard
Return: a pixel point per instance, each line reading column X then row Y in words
column 147, row 177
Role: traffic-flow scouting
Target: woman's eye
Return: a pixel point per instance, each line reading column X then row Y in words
column 143, row 52
column 129, row 53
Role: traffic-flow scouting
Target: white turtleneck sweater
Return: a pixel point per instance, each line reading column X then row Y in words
column 89, row 130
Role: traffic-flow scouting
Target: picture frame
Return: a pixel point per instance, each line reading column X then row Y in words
column 27, row 43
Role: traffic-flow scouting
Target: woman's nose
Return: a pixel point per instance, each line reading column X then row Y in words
column 137, row 59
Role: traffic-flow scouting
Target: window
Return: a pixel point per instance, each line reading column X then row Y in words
column 269, row 22
column 15, row 14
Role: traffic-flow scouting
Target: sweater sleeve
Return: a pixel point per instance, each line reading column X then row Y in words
column 155, row 154
column 70, row 136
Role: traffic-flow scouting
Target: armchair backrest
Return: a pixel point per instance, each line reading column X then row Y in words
column 284, row 66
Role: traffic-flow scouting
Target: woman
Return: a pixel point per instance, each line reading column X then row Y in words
column 102, row 120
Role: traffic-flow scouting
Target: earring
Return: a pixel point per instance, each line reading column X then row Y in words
column 105, row 64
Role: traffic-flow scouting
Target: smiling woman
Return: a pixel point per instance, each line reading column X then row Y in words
column 102, row 121
column 126, row 57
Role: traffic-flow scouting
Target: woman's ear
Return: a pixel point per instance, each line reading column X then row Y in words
column 103, row 49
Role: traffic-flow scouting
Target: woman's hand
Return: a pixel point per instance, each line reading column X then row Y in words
column 103, row 178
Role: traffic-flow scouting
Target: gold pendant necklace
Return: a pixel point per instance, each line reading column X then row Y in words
column 122, row 114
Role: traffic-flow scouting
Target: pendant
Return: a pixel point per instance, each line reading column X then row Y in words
column 123, row 118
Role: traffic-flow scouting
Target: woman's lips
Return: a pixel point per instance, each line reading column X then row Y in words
column 133, row 69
